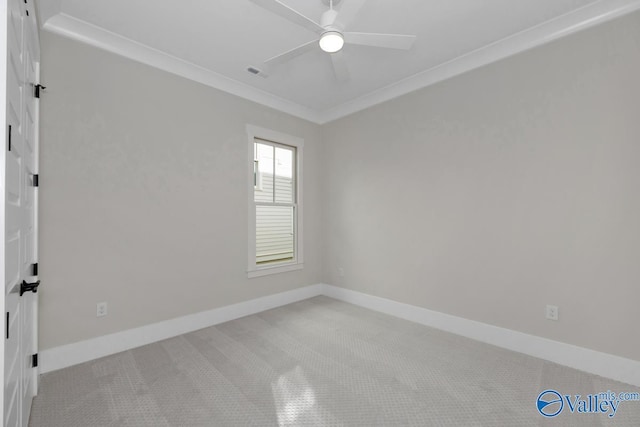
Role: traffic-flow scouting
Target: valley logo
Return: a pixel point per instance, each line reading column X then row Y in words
column 551, row 403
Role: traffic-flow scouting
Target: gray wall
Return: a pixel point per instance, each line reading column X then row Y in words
column 144, row 195
column 495, row 193
column 487, row 196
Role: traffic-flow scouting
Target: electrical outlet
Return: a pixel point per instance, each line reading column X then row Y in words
column 101, row 309
column 341, row 272
column 552, row 312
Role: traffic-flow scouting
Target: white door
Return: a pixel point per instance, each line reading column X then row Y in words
column 20, row 230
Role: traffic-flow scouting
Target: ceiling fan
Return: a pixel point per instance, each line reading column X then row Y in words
column 332, row 34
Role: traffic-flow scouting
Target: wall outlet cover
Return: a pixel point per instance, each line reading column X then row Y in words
column 552, row 312
column 101, row 309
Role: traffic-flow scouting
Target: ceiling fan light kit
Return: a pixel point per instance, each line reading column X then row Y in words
column 331, row 41
column 331, row 35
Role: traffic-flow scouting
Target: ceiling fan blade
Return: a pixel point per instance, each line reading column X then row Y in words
column 289, row 55
column 340, row 66
column 289, row 14
column 390, row 41
column 348, row 11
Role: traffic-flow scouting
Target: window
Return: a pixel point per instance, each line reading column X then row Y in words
column 275, row 219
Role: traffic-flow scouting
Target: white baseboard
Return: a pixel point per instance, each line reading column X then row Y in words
column 594, row 362
column 583, row 359
column 84, row 351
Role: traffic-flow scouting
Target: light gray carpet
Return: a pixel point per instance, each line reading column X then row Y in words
column 318, row 362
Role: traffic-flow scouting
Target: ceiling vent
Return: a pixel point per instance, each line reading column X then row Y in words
column 257, row 72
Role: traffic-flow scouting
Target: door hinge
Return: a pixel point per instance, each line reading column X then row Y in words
column 7, row 325
column 35, row 180
column 9, row 140
column 34, row 360
column 37, row 88
column 34, row 269
column 29, row 287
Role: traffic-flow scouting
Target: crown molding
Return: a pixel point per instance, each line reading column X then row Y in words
column 577, row 20
column 46, row 9
column 564, row 25
column 90, row 34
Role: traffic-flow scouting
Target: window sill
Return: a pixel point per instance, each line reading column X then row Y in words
column 276, row 269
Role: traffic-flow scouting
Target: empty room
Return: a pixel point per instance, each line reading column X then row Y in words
column 321, row 213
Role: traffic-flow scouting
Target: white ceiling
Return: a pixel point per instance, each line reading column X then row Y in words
column 215, row 41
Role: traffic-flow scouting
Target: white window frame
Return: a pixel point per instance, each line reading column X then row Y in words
column 254, row 270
